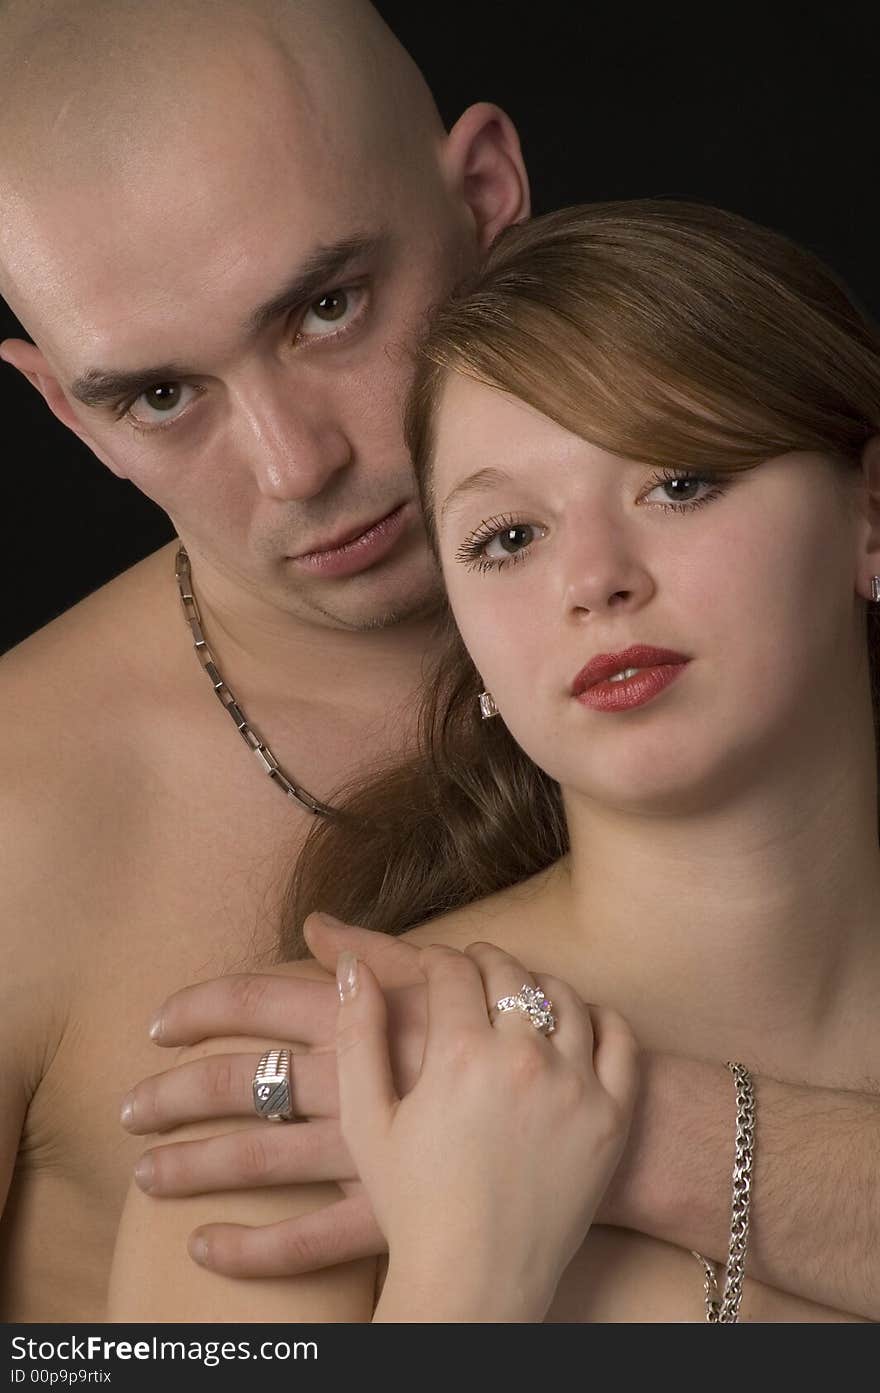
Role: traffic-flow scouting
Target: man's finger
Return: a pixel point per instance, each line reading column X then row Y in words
column 273, row 1153
column 221, row 1085
column 340, row 1232
column 394, row 962
column 286, row 1008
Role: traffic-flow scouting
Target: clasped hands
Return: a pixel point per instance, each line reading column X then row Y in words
column 411, row 1048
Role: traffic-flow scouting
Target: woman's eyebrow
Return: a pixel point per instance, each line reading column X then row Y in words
column 474, row 483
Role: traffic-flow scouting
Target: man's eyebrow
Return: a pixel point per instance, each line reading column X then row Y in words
column 474, row 483
column 102, row 387
column 98, row 387
column 324, row 266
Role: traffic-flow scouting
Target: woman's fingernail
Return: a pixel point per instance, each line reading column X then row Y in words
column 157, row 1028
column 346, row 975
column 144, row 1172
column 126, row 1112
column 331, row 919
column 198, row 1248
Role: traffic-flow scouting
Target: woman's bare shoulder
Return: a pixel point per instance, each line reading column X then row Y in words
column 505, row 917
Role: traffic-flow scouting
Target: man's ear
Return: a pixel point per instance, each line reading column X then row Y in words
column 484, row 166
column 870, row 520
column 32, row 364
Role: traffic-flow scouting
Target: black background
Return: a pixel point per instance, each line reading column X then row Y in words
column 772, row 113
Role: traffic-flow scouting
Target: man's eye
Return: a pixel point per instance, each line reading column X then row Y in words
column 333, row 313
column 162, row 402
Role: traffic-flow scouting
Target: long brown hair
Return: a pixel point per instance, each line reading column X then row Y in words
column 669, row 333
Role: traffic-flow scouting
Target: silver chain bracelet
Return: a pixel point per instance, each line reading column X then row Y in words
column 724, row 1310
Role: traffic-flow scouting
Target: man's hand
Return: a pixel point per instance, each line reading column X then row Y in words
column 219, row 1085
column 815, row 1213
column 215, row 1085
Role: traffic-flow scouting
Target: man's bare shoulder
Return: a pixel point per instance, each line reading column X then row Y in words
column 67, row 747
column 72, row 694
column 65, row 663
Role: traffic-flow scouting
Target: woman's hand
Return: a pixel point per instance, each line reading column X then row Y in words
column 486, row 1176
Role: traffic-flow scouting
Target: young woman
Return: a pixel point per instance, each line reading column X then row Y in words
column 647, row 440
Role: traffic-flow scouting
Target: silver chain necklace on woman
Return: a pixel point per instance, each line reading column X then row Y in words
column 227, row 699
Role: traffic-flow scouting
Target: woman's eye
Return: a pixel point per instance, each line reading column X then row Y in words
column 161, row 403
column 502, row 540
column 682, row 489
column 509, row 542
column 332, row 313
column 498, row 542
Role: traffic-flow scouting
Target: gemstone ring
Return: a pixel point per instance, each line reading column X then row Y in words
column 534, row 1004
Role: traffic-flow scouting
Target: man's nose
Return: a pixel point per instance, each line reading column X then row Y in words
column 294, row 448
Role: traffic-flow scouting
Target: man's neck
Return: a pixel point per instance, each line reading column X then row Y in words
column 281, row 658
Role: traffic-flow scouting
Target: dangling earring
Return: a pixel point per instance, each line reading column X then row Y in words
column 875, row 589
column 488, row 709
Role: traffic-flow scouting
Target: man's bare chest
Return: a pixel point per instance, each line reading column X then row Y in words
column 181, row 901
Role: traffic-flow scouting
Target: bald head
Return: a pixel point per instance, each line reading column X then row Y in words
column 106, row 102
column 223, row 224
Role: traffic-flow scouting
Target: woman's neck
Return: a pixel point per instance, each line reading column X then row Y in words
column 750, row 928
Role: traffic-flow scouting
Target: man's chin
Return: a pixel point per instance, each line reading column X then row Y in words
column 392, row 614
column 408, row 614
column 389, row 603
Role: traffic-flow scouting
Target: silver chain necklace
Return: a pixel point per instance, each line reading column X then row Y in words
column 227, row 699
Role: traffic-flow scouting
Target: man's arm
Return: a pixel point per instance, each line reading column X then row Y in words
column 34, row 967
column 815, row 1198
column 815, row 1217
column 13, row 1106
column 15, row 1053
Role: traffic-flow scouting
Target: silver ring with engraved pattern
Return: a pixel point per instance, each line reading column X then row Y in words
column 273, row 1099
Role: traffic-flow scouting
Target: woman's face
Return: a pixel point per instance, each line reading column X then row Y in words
column 564, row 551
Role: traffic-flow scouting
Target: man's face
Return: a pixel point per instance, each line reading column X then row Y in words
column 229, row 316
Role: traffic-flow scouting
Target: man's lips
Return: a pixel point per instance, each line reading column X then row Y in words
column 605, row 665
column 346, row 538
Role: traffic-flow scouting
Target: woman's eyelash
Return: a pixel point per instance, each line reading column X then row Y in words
column 716, row 484
column 471, row 553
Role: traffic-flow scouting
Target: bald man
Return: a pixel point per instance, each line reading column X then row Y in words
column 222, row 228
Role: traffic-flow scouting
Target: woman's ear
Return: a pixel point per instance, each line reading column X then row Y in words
column 484, row 167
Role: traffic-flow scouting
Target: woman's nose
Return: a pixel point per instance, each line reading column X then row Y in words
column 602, row 569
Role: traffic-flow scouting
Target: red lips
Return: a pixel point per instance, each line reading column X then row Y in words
column 607, row 664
